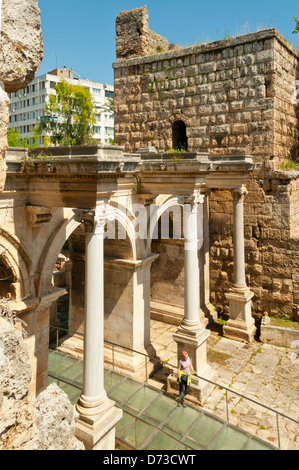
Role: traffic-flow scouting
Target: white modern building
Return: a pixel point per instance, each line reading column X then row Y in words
column 27, row 107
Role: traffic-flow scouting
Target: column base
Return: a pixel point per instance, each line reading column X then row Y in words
column 240, row 326
column 200, row 389
column 193, row 340
column 98, row 432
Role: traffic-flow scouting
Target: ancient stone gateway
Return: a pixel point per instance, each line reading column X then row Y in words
column 230, row 211
column 94, row 200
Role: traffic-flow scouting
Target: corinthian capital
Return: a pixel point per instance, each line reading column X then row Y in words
column 95, row 220
column 239, row 193
column 194, row 199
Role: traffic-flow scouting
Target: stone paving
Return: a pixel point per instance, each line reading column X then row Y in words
column 265, row 373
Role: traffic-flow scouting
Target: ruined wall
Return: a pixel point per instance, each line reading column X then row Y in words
column 21, row 52
column 231, row 94
column 286, row 112
column 236, row 97
column 271, row 252
column 133, row 36
column 44, row 424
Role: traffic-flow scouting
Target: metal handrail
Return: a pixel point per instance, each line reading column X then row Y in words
column 222, row 387
column 136, row 418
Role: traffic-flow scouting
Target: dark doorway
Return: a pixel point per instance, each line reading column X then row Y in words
column 179, row 136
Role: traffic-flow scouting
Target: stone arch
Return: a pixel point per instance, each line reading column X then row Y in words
column 50, row 253
column 64, row 231
column 126, row 218
column 165, row 204
column 17, row 263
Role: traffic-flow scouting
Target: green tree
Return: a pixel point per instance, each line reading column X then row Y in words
column 296, row 30
column 109, row 107
column 70, row 116
column 13, row 138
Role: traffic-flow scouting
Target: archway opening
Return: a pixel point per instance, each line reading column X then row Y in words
column 7, row 281
column 167, row 272
column 179, row 136
column 67, row 312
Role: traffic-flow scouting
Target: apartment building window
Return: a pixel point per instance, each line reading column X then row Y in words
column 96, row 91
column 109, row 130
column 97, row 130
column 109, row 94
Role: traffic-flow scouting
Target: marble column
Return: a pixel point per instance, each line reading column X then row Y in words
column 191, row 272
column 97, row 413
column 241, row 323
column 192, row 334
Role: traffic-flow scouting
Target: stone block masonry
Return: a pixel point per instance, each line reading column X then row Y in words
column 21, row 53
column 235, row 97
column 230, row 94
column 133, row 36
column 271, row 245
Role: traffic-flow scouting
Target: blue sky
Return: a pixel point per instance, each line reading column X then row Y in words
column 81, row 34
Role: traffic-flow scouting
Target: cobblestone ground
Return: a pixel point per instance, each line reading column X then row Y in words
column 267, row 374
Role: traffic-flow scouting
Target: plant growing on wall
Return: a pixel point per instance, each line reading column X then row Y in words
column 70, row 116
column 138, row 186
column 296, row 30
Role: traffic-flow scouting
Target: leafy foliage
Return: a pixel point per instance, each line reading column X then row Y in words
column 291, row 165
column 14, row 139
column 296, row 30
column 109, row 107
column 70, row 116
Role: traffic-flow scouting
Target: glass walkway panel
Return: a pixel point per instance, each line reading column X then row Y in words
column 151, row 419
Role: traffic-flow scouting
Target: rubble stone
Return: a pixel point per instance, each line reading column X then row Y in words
column 21, row 53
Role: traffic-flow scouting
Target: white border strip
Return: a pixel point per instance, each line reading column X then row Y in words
column 0, row 14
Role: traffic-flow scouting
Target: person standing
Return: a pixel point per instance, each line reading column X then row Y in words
column 184, row 377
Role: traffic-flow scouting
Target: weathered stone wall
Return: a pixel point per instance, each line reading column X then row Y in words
column 167, row 272
column 133, row 36
column 21, row 46
column 235, row 96
column 47, row 423
column 157, row 43
column 281, row 85
column 21, row 52
column 272, row 255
